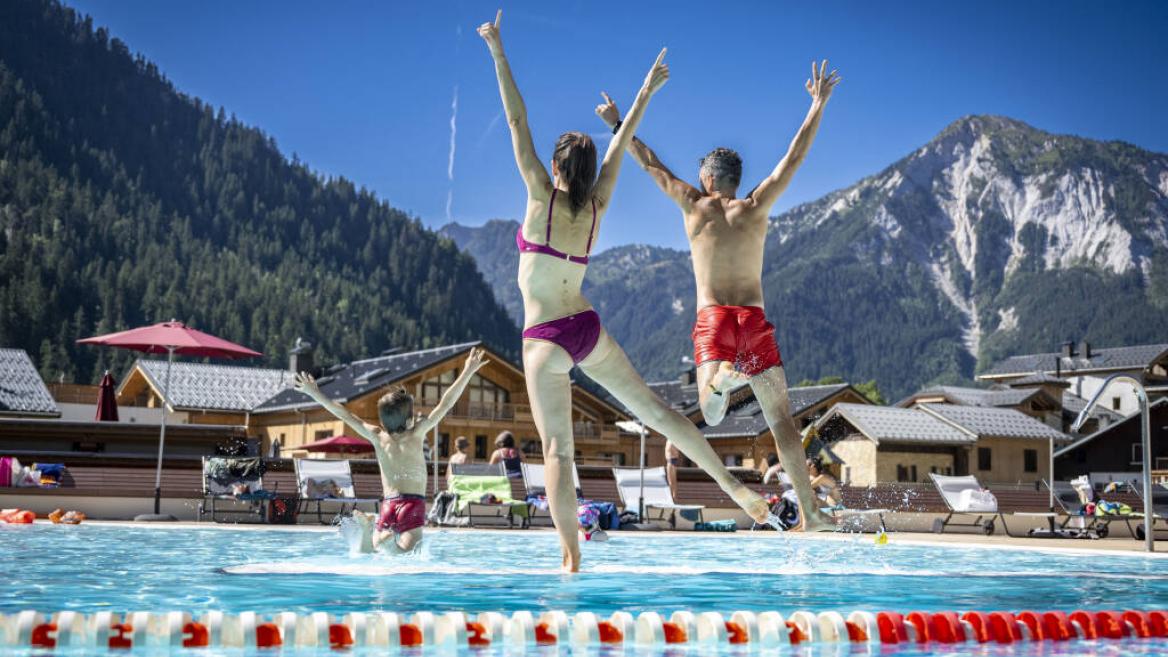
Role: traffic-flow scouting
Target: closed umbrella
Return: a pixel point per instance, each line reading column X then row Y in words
column 339, row 445
column 107, row 400
column 169, row 338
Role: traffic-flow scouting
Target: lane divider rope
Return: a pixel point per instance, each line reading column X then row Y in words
column 521, row 630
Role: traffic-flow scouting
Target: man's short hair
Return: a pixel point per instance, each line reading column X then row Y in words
column 724, row 166
column 395, row 409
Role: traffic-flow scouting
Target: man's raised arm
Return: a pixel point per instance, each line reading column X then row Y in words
column 306, row 384
column 680, row 191
column 820, row 87
column 474, row 363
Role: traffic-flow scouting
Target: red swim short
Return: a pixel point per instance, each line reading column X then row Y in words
column 402, row 513
column 737, row 334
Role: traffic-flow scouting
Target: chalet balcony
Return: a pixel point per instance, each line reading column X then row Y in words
column 481, row 411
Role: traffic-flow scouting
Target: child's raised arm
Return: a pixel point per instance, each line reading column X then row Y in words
column 474, row 363
column 306, row 384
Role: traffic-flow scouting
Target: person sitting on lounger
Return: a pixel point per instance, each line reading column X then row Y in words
column 398, row 446
column 461, row 456
column 506, row 454
column 824, row 485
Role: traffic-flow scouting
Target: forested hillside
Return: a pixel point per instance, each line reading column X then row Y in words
column 125, row 202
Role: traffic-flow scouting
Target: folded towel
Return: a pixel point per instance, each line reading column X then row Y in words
column 976, row 501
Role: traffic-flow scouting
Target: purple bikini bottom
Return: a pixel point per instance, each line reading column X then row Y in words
column 576, row 334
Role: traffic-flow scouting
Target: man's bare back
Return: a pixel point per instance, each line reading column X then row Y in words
column 726, row 239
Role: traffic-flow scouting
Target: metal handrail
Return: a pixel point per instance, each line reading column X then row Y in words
column 1146, row 446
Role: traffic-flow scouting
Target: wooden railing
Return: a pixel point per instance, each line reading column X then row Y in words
column 468, row 410
column 72, row 393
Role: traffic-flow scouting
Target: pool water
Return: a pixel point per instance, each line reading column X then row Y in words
column 95, row 567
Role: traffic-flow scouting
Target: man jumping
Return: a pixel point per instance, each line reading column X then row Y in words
column 733, row 341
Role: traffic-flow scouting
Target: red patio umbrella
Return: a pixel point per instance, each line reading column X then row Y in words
column 169, row 338
column 107, row 400
column 339, row 445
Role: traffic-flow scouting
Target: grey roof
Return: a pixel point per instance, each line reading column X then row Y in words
column 22, row 391
column 360, row 377
column 899, row 425
column 974, row 396
column 1137, row 357
column 744, row 418
column 1131, row 418
column 994, row 422
column 680, row 396
column 1074, row 404
column 1039, row 379
column 204, row 386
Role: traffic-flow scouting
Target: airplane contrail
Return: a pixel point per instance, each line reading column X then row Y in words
column 450, row 160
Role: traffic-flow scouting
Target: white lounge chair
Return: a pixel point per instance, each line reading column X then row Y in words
column 314, row 474
column 535, row 484
column 964, row 496
column 657, row 493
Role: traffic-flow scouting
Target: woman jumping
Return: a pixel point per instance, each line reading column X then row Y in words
column 560, row 327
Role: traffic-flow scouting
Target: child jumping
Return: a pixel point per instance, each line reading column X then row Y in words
column 398, row 446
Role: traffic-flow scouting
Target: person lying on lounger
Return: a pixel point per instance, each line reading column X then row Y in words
column 397, row 442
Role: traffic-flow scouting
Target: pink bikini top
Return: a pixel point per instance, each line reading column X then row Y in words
column 546, row 248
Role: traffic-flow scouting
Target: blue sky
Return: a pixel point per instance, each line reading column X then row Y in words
column 365, row 89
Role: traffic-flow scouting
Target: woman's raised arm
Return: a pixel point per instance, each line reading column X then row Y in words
column 533, row 172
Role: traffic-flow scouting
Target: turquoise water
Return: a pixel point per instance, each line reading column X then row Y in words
column 94, row 567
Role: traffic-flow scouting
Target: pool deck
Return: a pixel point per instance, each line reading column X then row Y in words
column 1110, row 545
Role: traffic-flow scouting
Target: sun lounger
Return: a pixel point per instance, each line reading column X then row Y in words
column 233, row 487
column 1075, row 511
column 964, row 496
column 657, row 494
column 1159, row 509
column 322, row 481
column 535, row 486
column 471, row 483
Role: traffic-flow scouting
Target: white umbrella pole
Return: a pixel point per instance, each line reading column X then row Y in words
column 1051, row 480
column 162, row 435
column 434, row 458
column 641, row 501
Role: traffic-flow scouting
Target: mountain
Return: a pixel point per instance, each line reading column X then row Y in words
column 992, row 239
column 124, row 201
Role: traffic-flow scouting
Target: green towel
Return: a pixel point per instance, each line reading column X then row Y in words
column 472, row 488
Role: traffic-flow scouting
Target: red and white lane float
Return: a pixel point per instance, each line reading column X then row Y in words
column 523, row 631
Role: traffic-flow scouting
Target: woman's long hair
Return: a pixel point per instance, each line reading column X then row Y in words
column 575, row 158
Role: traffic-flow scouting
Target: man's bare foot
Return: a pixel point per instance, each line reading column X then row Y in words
column 817, row 522
column 727, row 378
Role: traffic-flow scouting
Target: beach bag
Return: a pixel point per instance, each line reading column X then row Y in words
column 444, row 508
column 787, row 511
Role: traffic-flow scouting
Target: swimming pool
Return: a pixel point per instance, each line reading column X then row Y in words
column 93, row 567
